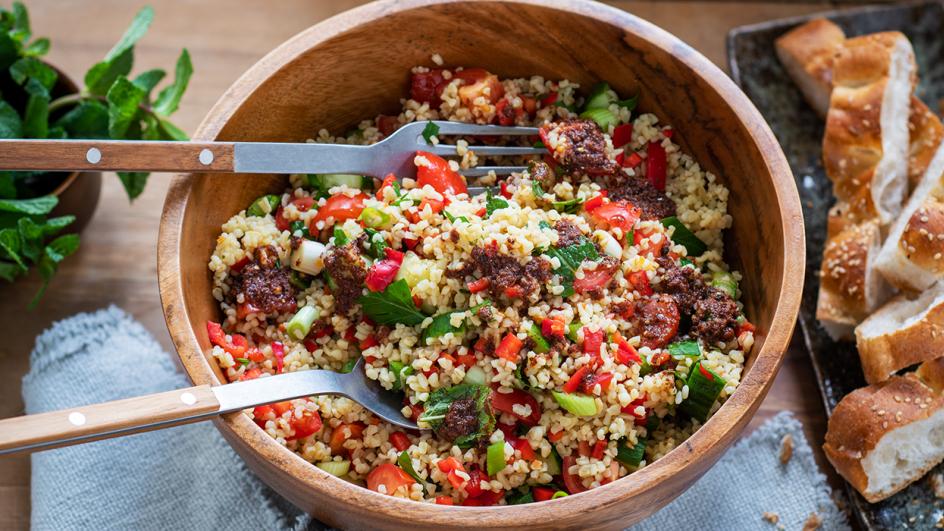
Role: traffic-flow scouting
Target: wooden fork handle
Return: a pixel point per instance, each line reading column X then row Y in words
column 109, row 419
column 111, row 155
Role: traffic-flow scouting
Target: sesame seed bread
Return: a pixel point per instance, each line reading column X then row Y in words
column 911, row 257
column 849, row 287
column 902, row 333
column 926, row 133
column 807, row 53
column 883, row 437
column 866, row 139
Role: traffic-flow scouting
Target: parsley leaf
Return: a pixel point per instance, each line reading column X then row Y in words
column 493, row 203
column 442, row 324
column 440, row 401
column 570, row 206
column 570, row 259
column 391, row 306
column 453, row 219
column 430, row 131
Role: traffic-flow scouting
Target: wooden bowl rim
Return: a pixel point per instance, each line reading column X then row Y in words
column 744, row 401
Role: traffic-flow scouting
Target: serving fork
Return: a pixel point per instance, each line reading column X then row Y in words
column 394, row 154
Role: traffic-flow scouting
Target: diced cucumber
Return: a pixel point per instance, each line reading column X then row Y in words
column 335, row 468
column 577, row 404
column 263, row 205
column 603, row 117
column 725, row 282
column 683, row 236
column 704, row 387
column 495, row 457
column 325, row 182
column 300, row 324
column 553, row 463
column 414, row 269
column 540, row 344
column 631, row 456
column 682, row 349
column 400, row 372
column 475, row 375
column 308, row 257
column 572, row 330
column 600, row 98
column 375, row 218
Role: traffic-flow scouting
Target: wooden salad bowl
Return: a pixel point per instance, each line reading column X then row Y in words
column 355, row 66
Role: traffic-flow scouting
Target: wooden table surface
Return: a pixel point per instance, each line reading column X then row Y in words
column 116, row 263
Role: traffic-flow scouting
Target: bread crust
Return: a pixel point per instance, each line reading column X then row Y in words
column 925, row 135
column 884, row 354
column 808, row 52
column 865, row 415
column 932, row 374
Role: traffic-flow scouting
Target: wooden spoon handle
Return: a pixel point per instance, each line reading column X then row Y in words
column 116, row 155
column 109, row 419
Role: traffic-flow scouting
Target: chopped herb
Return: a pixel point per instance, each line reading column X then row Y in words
column 493, row 203
column 453, row 219
column 300, row 226
column 629, row 103
column 340, row 237
column 442, row 324
column 348, row 366
column 392, row 305
column 243, row 361
column 544, row 225
column 437, row 406
column 522, row 377
column 519, row 496
column 570, row 259
column 538, row 144
column 687, row 263
column 572, row 330
column 683, row 236
column 263, row 205
column 682, row 349
column 570, row 206
column 405, row 463
column 536, row 189
column 400, row 372
column 376, row 244
column 430, row 131
column 299, row 280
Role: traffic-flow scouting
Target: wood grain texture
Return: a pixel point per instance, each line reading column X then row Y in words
column 115, row 155
column 99, row 421
column 359, row 62
column 116, row 263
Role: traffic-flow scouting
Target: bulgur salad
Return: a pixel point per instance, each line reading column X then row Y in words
column 563, row 329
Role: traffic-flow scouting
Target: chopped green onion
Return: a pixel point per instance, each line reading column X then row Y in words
column 572, row 330
column 631, row 456
column 540, row 344
column 400, row 372
column 600, row 98
column 375, row 218
column 559, row 494
column 538, row 191
column 335, row 468
column 682, row 349
column 348, row 366
column 553, row 463
column 645, row 367
column 430, row 131
column 578, row 404
column 543, row 225
column 725, row 282
column 683, row 236
column 570, row 206
column 453, row 219
column 242, row 361
column 603, row 117
column 300, row 324
column 263, row 205
column 340, row 237
column 475, row 375
column 704, row 387
column 299, row 280
column 495, row 457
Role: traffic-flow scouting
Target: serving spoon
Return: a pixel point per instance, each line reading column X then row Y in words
column 66, row 427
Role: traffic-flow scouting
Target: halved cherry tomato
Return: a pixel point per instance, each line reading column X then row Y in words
column 427, row 87
column 304, row 204
column 439, row 175
column 616, row 215
column 644, row 240
column 656, row 165
column 551, row 327
column 281, row 407
column 368, row 342
column 542, row 493
column 344, row 432
column 479, row 285
column 595, row 201
column 622, row 134
column 640, row 282
column 237, row 345
column 571, row 481
column 390, row 476
column 387, row 124
column 597, row 278
column 399, row 440
column 280, row 222
column 444, row 500
column 485, row 499
column 505, row 403
column 509, row 348
column 341, row 207
column 387, row 181
column 305, row 426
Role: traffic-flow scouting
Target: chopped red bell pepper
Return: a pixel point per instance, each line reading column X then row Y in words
column 399, row 440
column 251, row 374
column 468, row 360
column 479, row 285
column 444, row 500
column 622, row 134
column 550, row 99
column 592, row 339
column 595, row 201
column 411, row 243
column 625, row 353
column 640, row 282
column 368, row 342
column 542, row 493
column 552, row 327
column 509, row 348
column 505, row 402
column 599, row 449
column 631, row 161
column 278, row 350
column 513, row 292
column 656, row 165
column 555, row 436
column 435, row 205
column 604, row 379
column 577, row 379
column 387, row 181
column 522, row 446
column 245, row 309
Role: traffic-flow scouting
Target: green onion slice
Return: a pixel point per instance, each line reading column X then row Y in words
column 300, row 324
column 335, row 468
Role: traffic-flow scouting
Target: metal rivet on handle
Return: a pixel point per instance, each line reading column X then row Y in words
column 188, row 398
column 93, row 155
column 206, row 157
column 76, row 418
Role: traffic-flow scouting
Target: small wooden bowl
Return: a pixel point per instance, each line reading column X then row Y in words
column 355, row 66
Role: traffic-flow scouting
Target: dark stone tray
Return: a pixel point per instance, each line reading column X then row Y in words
column 754, row 66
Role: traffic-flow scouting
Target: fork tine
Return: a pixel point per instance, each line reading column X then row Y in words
column 479, row 171
column 447, row 150
column 457, row 128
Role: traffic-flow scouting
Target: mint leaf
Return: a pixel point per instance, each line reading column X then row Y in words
column 36, row 206
column 570, row 206
column 21, row 23
column 137, row 29
column 391, row 306
column 430, row 131
column 629, row 103
column 100, row 77
column 32, row 68
column 441, row 326
column 148, row 80
column 7, row 185
column 134, row 182
column 169, row 98
column 36, row 116
column 440, row 400
column 53, row 254
column 123, row 97
column 10, row 245
column 10, row 124
column 37, row 48
column 570, row 259
column 31, row 238
column 493, row 203
column 9, row 51
column 9, row 271
column 88, row 119
column 54, row 225
column 170, row 131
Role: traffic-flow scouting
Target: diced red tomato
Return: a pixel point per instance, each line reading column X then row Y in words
column 616, row 215
column 390, row 476
column 466, row 359
column 640, row 282
column 524, row 447
column 261, row 413
column 513, row 292
column 251, row 374
column 571, row 481
column 303, row 204
column 411, row 243
column 644, row 240
column 278, row 350
column 237, row 345
column 245, row 309
column 485, row 499
column 599, row 449
column 307, row 425
column 281, row 407
column 509, row 430
column 479, row 285
column 506, row 113
column 503, row 190
column 542, row 493
column 475, row 82
column 444, row 500
column 240, row 264
column 595, row 201
column 280, row 222
column 629, row 161
column 656, row 165
column 340, row 207
column 576, row 381
column 450, row 466
column 481, row 344
column 746, row 326
column 387, row 181
column 399, row 440
column 474, row 486
column 555, row 436
column 417, row 301
column 387, row 124
column 255, row 355
column 625, row 353
column 427, row 87
column 382, row 273
column 530, row 105
column 552, row 327
column 368, row 342
column 622, row 134
column 592, row 339
column 481, row 212
column 439, row 175
column 604, row 379
column 597, row 278
column 435, row 205
column 550, row 99
column 344, row 432
column 667, row 132
column 505, row 403
column 509, row 348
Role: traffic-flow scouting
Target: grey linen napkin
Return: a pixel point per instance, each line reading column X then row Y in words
column 189, row 478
